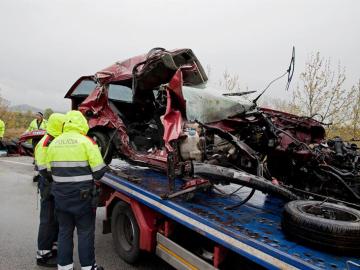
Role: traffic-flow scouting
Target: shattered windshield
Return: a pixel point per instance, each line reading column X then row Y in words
column 209, row 105
column 84, row 88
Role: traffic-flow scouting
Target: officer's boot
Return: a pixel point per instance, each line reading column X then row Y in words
column 96, row 267
column 47, row 259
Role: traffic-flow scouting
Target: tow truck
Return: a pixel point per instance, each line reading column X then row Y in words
column 197, row 230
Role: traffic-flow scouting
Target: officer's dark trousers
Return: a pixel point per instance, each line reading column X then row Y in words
column 85, row 225
column 48, row 227
column 73, row 211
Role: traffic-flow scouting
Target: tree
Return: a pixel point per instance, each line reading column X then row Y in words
column 230, row 82
column 48, row 112
column 322, row 92
column 4, row 104
column 355, row 112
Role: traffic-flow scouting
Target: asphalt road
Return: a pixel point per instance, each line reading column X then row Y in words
column 20, row 218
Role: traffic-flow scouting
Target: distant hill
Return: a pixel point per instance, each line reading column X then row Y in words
column 24, row 108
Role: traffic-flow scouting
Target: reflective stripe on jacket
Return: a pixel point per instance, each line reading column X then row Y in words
column 73, row 157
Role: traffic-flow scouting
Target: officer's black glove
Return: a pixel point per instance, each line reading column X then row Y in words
column 100, row 173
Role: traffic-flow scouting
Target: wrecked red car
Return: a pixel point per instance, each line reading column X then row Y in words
column 156, row 110
column 21, row 146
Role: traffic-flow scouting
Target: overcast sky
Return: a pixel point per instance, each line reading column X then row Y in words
column 46, row 45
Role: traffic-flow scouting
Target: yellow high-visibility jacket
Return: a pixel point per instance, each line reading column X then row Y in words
column 73, row 157
column 53, row 129
column 34, row 125
column 2, row 128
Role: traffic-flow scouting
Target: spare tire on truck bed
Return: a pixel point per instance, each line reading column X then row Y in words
column 329, row 226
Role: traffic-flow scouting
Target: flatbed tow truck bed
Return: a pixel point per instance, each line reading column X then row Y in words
column 252, row 230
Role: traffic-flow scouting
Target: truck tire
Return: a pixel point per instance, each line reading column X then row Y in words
column 328, row 226
column 103, row 140
column 125, row 233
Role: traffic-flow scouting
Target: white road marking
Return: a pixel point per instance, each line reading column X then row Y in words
column 15, row 162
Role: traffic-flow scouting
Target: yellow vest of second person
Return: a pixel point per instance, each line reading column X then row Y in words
column 34, row 126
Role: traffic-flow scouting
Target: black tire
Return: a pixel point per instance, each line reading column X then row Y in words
column 103, row 140
column 328, row 226
column 125, row 233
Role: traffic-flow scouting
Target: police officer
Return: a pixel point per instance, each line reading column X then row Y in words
column 38, row 123
column 75, row 161
column 2, row 131
column 48, row 227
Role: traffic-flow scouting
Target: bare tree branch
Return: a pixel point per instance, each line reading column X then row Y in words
column 321, row 91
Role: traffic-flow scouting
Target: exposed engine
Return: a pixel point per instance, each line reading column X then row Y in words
column 289, row 149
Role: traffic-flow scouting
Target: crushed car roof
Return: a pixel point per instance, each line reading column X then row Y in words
column 155, row 67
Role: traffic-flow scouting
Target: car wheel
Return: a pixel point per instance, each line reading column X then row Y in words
column 125, row 233
column 330, row 226
column 102, row 141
